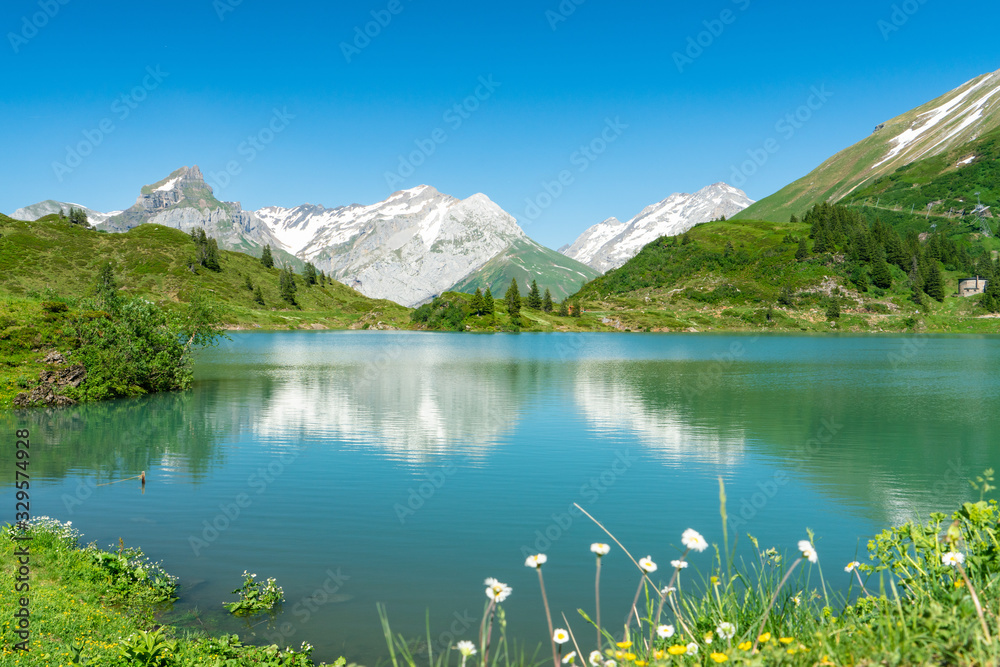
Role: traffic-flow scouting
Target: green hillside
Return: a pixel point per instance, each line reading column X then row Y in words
column 879, row 154
column 52, row 258
column 526, row 261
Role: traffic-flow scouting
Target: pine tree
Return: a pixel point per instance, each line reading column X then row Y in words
column 286, row 285
column 212, row 255
column 258, row 296
column 935, row 283
column 821, row 244
column 489, row 303
column 991, row 299
column 478, row 306
column 78, row 216
column 833, row 309
column 106, row 290
column 793, row 219
column 266, row 259
column 803, row 250
column 578, row 309
column 547, row 304
column 513, row 299
column 534, row 297
column 881, row 275
column 564, row 308
column 310, row 274
column 248, row 284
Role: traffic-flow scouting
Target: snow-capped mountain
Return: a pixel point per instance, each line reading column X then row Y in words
column 408, row 248
column 611, row 243
column 50, row 206
column 950, row 121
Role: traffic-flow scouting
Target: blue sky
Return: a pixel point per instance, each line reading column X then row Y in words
column 269, row 102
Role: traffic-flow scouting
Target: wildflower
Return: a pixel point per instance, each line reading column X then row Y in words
column 647, row 564
column 610, row 663
column 764, row 638
column 560, row 636
column 466, row 648
column 692, row 539
column 708, row 638
column 536, row 561
column 797, row 599
column 720, row 657
column 745, row 646
column 620, row 655
column 852, row 566
column 692, row 649
column 630, row 656
column 679, row 564
column 953, row 558
column 496, row 591
column 714, row 580
column 726, row 630
column 808, row 551
column 667, row 590
column 659, row 654
column 570, row 657
column 624, row 644
column 600, row 549
column 677, row 649
column 640, row 663
column 786, row 640
column 665, row 631
column 596, row 659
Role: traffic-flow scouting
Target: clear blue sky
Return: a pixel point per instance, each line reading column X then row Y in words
column 221, row 80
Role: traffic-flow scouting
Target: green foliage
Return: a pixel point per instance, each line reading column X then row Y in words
column 802, row 251
column 547, row 304
column 833, row 309
column 489, row 303
column 206, row 250
column 286, row 286
column 258, row 296
column 881, row 275
column 78, row 216
column 310, row 275
column 266, row 258
column 534, row 297
column 478, row 306
column 935, row 283
column 442, row 313
column 255, row 596
column 151, row 649
column 513, row 300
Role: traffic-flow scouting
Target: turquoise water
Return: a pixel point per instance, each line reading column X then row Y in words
column 359, row 468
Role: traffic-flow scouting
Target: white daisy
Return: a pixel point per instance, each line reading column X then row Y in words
column 596, row 659
column 647, row 564
column 679, row 564
column 466, row 648
column 808, row 551
column 726, row 630
column 852, row 566
column 536, row 561
column 560, row 636
column 953, row 558
column 693, row 540
column 496, row 591
column 600, row 549
column 692, row 649
column 665, row 631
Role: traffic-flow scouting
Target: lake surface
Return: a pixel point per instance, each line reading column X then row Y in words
column 405, row 468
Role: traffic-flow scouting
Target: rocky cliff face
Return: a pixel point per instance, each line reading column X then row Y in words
column 611, row 243
column 184, row 201
column 408, row 248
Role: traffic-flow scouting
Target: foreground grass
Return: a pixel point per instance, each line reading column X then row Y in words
column 98, row 608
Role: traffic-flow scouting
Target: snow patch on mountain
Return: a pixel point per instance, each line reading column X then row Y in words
column 611, row 243
column 50, row 206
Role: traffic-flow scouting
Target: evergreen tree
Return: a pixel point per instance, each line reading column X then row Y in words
column 564, row 308
column 881, row 275
column 935, row 283
column 489, row 303
column 212, row 255
column 578, row 309
column 310, row 274
column 833, row 309
column 478, row 305
column 248, row 284
column 821, row 244
column 258, row 296
column 78, row 216
column 803, row 250
column 286, row 285
column 787, row 297
column 991, row 299
column 861, row 280
column 513, row 299
column 534, row 297
column 106, row 290
column 547, row 304
column 266, row 259
column 793, row 219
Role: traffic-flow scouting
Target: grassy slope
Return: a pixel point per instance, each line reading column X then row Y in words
column 678, row 287
column 848, row 170
column 526, row 261
column 54, row 258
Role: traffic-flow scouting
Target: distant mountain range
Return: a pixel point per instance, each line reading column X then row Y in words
column 611, row 243
column 936, row 128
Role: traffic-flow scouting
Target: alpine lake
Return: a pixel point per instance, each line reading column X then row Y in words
column 361, row 468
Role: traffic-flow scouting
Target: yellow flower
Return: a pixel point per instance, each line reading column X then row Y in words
column 720, row 657
column 715, row 580
column 624, row 644
column 677, row 649
column 764, row 638
column 786, row 640
column 791, row 651
column 620, row 655
column 659, row 654
column 630, row 656
column 640, row 663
